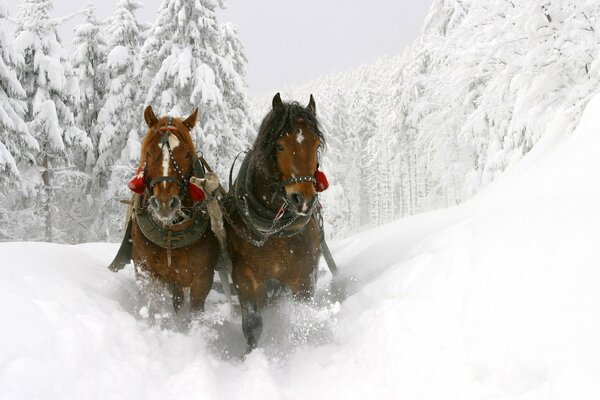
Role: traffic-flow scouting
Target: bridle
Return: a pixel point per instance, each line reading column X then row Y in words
column 162, row 236
column 183, row 180
column 263, row 221
column 296, row 179
column 279, row 185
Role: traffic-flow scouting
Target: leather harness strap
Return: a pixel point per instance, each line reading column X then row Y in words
column 262, row 221
column 187, row 231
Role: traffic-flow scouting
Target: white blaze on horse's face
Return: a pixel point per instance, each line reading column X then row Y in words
column 166, row 158
column 299, row 136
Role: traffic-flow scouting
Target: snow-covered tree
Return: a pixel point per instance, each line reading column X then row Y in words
column 89, row 62
column 51, row 87
column 191, row 60
column 343, row 149
column 16, row 143
column 118, row 120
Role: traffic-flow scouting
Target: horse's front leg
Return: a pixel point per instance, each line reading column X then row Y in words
column 201, row 285
column 252, row 297
column 302, row 288
column 252, row 325
column 303, row 281
column 150, row 287
column 177, row 293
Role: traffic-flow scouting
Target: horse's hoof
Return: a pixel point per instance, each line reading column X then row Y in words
column 249, row 349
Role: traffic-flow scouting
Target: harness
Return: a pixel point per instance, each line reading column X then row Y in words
column 190, row 229
column 262, row 222
column 175, row 236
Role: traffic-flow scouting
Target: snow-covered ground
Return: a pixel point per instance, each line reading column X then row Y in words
column 498, row 298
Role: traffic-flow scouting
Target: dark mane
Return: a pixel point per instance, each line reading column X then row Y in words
column 280, row 121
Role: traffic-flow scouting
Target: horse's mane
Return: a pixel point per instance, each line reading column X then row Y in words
column 153, row 134
column 280, row 121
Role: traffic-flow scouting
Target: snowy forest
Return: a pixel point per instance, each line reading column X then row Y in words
column 423, row 130
column 71, row 124
column 429, row 128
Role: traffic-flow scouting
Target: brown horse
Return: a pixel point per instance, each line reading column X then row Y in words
column 272, row 229
column 170, row 241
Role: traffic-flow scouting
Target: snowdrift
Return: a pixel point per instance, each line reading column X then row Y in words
column 497, row 298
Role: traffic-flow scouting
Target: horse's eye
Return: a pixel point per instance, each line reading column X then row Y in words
column 279, row 147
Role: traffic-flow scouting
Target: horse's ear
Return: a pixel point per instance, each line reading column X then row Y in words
column 190, row 121
column 311, row 105
column 149, row 116
column 277, row 103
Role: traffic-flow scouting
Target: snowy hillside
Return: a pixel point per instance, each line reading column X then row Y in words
column 497, row 298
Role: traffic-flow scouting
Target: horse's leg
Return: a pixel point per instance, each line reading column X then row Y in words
column 252, row 324
column 303, row 288
column 201, row 285
column 151, row 289
column 252, row 297
column 177, row 292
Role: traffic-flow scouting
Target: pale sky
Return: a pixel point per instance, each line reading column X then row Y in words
column 291, row 42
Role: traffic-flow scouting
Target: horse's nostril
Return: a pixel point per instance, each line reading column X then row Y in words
column 174, row 203
column 297, row 199
column 154, row 203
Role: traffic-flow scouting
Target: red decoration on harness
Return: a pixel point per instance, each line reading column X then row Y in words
column 322, row 183
column 137, row 184
column 195, row 192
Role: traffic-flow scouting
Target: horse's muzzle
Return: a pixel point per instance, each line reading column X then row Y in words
column 167, row 211
column 300, row 204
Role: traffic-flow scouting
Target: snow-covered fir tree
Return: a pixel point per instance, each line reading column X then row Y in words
column 51, row 87
column 343, row 148
column 16, row 143
column 89, row 62
column 17, row 146
column 191, row 60
column 118, row 123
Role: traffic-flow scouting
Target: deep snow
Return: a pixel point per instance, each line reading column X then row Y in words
column 498, row 298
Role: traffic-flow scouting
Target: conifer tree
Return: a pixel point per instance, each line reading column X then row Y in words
column 118, row 119
column 51, row 88
column 89, row 62
column 191, row 60
column 16, row 143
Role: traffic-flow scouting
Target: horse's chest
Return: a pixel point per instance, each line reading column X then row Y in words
column 296, row 255
column 177, row 272
column 186, row 262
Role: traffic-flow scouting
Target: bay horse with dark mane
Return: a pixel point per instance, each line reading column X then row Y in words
column 273, row 230
column 171, row 243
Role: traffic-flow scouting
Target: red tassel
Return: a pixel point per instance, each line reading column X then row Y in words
column 322, row 183
column 137, row 184
column 195, row 192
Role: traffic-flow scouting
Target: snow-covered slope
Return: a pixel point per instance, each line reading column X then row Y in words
column 498, row 298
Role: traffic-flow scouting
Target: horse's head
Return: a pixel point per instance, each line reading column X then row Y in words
column 168, row 155
column 296, row 149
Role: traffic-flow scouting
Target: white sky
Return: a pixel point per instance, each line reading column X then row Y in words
column 291, row 42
